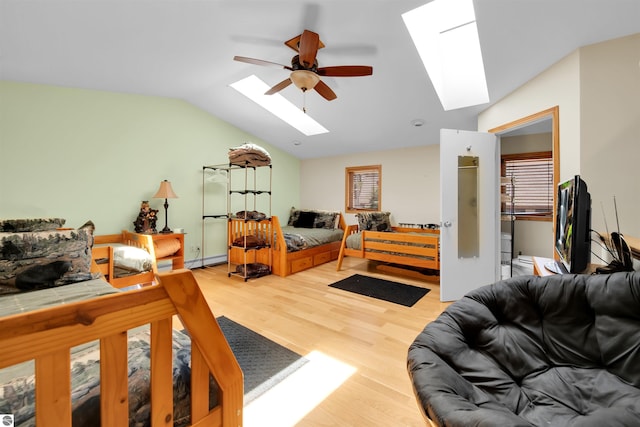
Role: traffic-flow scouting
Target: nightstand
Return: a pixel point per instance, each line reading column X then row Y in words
column 177, row 259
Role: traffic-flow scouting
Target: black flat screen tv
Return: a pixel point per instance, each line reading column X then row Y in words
column 573, row 227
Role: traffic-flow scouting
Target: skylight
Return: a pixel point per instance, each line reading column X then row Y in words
column 446, row 37
column 254, row 88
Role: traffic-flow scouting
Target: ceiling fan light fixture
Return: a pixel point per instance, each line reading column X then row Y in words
column 304, row 80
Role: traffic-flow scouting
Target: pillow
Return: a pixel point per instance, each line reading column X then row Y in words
column 30, row 224
column 375, row 221
column 306, row 219
column 45, row 259
column 131, row 258
column 166, row 247
column 323, row 219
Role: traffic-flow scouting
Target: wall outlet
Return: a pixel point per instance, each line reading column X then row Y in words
column 195, row 248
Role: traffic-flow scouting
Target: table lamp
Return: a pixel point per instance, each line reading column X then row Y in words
column 165, row 192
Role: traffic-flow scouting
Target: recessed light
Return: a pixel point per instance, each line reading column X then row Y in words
column 297, row 143
column 417, row 123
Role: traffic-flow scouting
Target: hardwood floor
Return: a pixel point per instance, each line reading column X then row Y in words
column 371, row 336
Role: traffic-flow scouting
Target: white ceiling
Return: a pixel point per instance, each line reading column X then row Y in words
column 184, row 49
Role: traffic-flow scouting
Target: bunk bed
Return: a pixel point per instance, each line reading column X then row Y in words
column 48, row 334
column 404, row 246
column 124, row 259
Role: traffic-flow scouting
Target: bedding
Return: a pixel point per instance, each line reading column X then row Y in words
column 313, row 218
column 298, row 238
column 23, row 225
column 249, row 154
column 131, row 259
column 28, row 301
column 296, row 249
column 128, row 259
column 45, row 258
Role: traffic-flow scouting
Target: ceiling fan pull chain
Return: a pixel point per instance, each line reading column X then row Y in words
column 304, row 101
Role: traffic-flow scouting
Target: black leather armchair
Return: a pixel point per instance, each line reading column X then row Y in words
column 544, row 351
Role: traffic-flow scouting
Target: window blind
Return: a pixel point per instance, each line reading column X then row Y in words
column 532, row 191
column 363, row 186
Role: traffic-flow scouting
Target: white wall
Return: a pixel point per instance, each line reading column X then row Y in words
column 559, row 85
column 610, row 131
column 597, row 89
column 410, row 182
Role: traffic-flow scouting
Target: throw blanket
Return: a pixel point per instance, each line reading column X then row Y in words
column 249, row 155
column 298, row 238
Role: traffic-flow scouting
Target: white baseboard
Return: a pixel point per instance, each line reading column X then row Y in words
column 196, row 263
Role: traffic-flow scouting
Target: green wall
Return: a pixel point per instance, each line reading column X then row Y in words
column 91, row 155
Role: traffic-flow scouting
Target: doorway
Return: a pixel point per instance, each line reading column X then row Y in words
column 543, row 121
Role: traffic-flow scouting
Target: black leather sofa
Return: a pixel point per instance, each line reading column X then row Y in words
column 562, row 350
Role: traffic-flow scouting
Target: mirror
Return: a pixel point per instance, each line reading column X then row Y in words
column 468, row 232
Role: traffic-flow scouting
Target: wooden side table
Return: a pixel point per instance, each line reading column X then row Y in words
column 177, row 259
column 540, row 270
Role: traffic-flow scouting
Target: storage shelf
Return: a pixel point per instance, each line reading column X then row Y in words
column 242, row 182
column 508, row 200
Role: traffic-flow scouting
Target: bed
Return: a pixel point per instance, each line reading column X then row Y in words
column 378, row 240
column 58, row 326
column 124, row 259
column 297, row 248
column 309, row 238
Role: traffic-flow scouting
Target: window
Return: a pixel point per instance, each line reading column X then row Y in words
column 533, row 190
column 363, row 185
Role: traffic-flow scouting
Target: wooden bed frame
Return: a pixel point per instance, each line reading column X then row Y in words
column 394, row 251
column 47, row 336
column 102, row 249
column 282, row 263
column 286, row 263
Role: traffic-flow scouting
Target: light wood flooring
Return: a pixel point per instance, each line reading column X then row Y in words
column 304, row 314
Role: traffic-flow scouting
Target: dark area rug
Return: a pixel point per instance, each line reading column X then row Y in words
column 387, row 290
column 264, row 363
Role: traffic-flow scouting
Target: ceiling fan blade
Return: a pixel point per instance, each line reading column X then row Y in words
column 325, row 91
column 308, row 47
column 346, row 71
column 261, row 62
column 277, row 88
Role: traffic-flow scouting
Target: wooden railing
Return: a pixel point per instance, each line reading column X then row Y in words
column 47, row 336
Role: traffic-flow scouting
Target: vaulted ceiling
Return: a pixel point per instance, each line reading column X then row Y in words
column 184, row 49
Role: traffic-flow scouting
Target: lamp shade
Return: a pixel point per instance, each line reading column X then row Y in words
column 165, row 191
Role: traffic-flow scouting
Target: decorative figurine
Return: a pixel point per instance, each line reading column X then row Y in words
column 146, row 220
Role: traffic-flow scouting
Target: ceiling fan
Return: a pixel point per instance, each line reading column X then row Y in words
column 305, row 73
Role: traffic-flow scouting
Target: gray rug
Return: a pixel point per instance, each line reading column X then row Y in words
column 264, row 363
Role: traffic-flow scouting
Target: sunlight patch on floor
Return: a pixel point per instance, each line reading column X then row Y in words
column 294, row 397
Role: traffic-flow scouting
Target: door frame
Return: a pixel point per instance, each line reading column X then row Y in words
column 554, row 114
